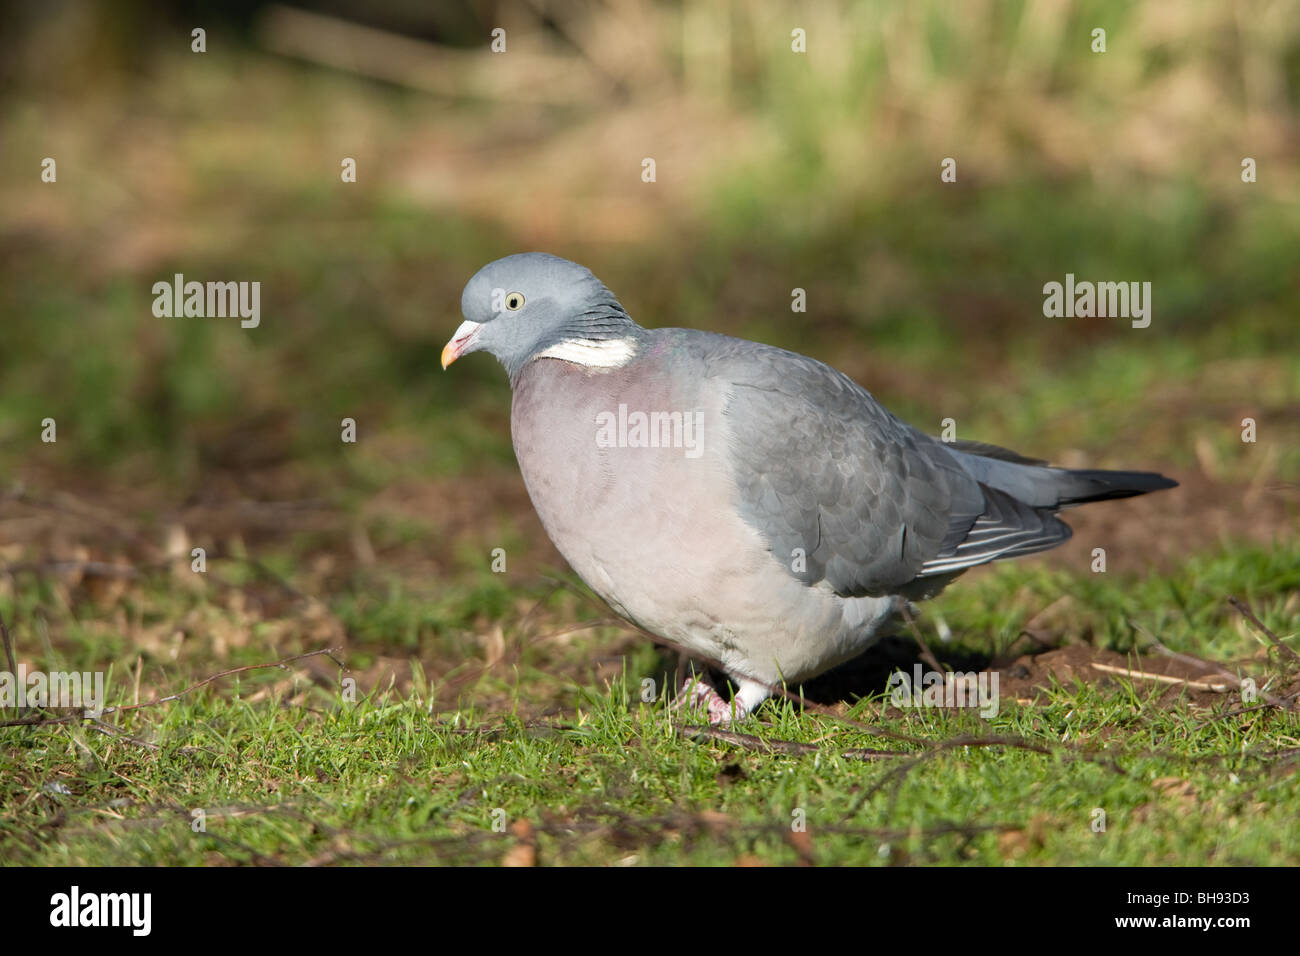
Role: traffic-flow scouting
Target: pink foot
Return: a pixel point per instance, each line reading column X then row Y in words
column 696, row 695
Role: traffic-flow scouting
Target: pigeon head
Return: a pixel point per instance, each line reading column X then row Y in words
column 535, row 305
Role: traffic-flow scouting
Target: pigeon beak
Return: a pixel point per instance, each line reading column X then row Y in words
column 460, row 342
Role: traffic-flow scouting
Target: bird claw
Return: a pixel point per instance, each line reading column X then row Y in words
column 696, row 694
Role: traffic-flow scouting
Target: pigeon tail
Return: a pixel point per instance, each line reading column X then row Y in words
column 1039, row 485
column 1096, row 484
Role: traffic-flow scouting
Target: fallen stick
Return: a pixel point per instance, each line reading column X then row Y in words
column 1161, row 678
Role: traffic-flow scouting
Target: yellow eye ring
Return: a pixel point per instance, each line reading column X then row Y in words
column 514, row 301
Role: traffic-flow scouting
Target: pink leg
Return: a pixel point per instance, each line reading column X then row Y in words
column 695, row 694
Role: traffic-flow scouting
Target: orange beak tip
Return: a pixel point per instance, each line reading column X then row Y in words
column 459, row 342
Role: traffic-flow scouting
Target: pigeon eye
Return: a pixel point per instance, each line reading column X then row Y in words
column 514, row 301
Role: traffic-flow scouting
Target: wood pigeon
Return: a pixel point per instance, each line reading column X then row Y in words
column 749, row 505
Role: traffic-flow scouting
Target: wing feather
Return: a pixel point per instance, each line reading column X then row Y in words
column 875, row 505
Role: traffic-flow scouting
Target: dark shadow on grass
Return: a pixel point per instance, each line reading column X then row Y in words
column 868, row 673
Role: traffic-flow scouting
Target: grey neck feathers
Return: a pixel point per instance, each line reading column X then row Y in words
column 603, row 320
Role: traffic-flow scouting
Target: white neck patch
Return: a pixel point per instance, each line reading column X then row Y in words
column 592, row 353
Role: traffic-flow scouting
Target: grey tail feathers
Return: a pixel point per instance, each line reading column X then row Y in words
column 1042, row 486
column 1093, row 484
column 1021, row 497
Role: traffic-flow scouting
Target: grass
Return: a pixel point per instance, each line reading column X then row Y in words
column 547, row 756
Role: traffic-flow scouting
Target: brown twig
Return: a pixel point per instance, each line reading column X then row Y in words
column 927, row 655
column 1249, row 615
column 899, row 774
column 1158, row 678
column 9, row 647
column 751, row 742
column 94, row 568
column 73, row 718
column 1209, row 666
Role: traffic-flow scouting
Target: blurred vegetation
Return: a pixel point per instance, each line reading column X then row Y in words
column 775, row 170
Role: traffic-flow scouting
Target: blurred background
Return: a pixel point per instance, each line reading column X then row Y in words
column 774, row 170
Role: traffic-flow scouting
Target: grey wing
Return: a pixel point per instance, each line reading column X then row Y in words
column 845, row 493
